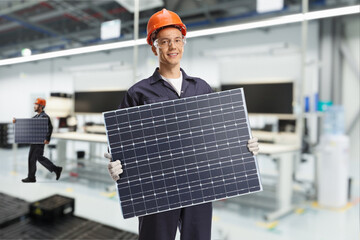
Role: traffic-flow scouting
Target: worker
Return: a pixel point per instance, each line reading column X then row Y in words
column 37, row 150
column 166, row 36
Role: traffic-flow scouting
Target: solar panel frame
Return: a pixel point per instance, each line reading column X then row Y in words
column 30, row 130
column 196, row 155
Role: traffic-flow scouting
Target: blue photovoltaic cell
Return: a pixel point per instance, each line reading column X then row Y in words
column 31, row 130
column 182, row 152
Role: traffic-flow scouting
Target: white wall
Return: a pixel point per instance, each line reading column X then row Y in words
column 21, row 84
column 24, row 82
column 276, row 62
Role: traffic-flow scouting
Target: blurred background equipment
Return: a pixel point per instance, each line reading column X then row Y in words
column 59, row 105
column 333, row 160
column 333, row 171
column 6, row 135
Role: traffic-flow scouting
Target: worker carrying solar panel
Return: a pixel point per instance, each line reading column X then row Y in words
column 36, row 152
column 166, row 34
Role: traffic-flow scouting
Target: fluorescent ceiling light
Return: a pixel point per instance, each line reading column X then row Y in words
column 74, row 51
column 246, row 26
column 277, row 21
column 25, row 52
column 332, row 12
column 199, row 33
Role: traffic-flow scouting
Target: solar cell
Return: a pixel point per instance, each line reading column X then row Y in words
column 31, row 130
column 182, row 152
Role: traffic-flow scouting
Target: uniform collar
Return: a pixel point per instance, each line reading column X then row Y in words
column 156, row 76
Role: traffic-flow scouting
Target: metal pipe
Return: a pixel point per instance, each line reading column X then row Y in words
column 337, row 65
column 353, row 123
column 29, row 25
column 350, row 59
column 136, row 37
column 301, row 83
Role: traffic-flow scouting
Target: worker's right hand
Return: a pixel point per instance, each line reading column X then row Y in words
column 115, row 167
column 14, row 120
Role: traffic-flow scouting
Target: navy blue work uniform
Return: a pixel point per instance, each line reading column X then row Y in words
column 37, row 151
column 194, row 222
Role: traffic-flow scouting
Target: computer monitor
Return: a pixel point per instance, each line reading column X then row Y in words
column 98, row 102
column 267, row 98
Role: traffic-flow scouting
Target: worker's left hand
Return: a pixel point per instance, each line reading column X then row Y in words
column 46, row 142
column 253, row 146
column 114, row 167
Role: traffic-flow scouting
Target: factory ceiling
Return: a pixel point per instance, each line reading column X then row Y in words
column 51, row 25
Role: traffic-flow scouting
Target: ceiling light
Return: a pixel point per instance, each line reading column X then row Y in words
column 246, row 26
column 25, row 52
column 332, row 12
column 206, row 32
column 278, row 21
column 74, row 51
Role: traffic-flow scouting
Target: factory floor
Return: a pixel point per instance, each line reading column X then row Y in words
column 231, row 221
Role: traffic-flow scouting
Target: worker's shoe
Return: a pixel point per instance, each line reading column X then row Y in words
column 58, row 171
column 28, row 180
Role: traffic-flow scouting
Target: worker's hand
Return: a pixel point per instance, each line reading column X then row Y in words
column 46, row 142
column 115, row 167
column 14, row 120
column 253, row 146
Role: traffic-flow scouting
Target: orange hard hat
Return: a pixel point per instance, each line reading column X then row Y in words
column 40, row 101
column 162, row 19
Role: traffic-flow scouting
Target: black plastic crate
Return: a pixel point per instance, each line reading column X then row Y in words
column 68, row 227
column 105, row 232
column 52, row 208
column 59, row 222
column 12, row 210
column 29, row 229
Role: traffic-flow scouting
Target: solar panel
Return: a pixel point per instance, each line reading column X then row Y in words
column 182, row 152
column 31, row 130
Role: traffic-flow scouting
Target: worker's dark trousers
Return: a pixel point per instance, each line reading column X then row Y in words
column 36, row 154
column 194, row 224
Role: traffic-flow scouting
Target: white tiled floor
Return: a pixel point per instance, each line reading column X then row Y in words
column 229, row 222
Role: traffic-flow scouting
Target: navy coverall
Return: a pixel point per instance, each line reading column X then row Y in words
column 37, row 151
column 194, row 222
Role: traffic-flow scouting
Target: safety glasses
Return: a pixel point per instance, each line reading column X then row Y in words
column 166, row 42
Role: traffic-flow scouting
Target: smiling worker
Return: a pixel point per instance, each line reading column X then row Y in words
column 166, row 36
